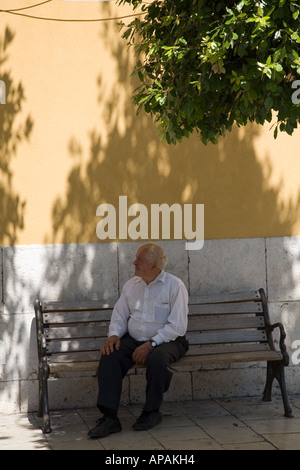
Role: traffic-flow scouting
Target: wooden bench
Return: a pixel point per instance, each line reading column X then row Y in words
column 225, row 328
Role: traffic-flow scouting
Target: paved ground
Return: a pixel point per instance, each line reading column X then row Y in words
column 233, row 424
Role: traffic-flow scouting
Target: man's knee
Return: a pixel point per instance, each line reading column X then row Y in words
column 157, row 359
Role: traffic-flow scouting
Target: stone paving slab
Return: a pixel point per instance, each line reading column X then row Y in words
column 219, row 424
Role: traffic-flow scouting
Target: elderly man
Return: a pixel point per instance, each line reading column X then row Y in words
column 147, row 326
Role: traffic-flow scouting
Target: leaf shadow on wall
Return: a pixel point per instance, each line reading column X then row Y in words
column 128, row 158
column 11, row 135
column 13, row 327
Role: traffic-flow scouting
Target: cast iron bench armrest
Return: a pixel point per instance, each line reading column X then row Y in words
column 282, row 338
column 41, row 339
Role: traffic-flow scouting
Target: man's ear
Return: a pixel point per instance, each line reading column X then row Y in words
column 155, row 265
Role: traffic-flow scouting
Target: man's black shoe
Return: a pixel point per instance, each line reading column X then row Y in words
column 147, row 421
column 104, row 427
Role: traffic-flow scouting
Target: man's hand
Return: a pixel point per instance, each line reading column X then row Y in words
column 141, row 353
column 113, row 342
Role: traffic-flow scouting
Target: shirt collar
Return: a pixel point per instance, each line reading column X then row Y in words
column 161, row 277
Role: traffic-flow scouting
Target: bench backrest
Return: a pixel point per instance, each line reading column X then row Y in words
column 232, row 322
column 229, row 323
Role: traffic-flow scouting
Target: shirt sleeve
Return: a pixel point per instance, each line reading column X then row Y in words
column 178, row 316
column 119, row 319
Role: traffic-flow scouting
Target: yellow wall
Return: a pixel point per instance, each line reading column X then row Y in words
column 87, row 146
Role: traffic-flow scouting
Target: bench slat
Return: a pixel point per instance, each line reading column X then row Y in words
column 255, row 356
column 90, row 344
column 230, row 336
column 239, row 307
column 77, row 356
column 225, row 297
column 77, row 317
column 205, row 323
column 77, row 305
column 61, row 367
column 205, row 349
column 81, row 330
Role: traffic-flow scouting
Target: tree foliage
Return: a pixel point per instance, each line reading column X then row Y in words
column 204, row 65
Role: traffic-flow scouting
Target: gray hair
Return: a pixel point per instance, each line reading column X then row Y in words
column 156, row 253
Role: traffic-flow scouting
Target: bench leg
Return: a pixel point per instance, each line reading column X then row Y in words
column 275, row 370
column 43, row 398
column 40, row 408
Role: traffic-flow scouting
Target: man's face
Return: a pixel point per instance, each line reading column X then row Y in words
column 143, row 267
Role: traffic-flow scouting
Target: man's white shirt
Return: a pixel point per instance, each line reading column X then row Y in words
column 155, row 311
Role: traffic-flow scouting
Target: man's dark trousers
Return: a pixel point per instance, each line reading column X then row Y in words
column 114, row 367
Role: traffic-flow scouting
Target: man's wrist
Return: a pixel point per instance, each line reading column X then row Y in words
column 153, row 343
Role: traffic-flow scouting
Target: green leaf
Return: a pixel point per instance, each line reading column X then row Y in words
column 189, row 108
column 158, row 83
column 295, row 37
column 276, row 55
column 161, row 99
column 278, row 67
